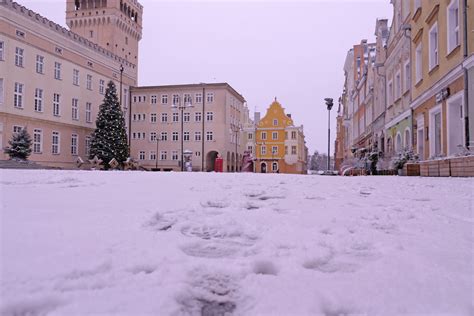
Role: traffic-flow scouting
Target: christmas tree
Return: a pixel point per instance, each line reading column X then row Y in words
column 109, row 139
column 20, row 145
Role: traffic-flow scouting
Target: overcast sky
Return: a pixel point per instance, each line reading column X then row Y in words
column 292, row 50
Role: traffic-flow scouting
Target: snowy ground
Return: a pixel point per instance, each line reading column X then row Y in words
column 136, row 243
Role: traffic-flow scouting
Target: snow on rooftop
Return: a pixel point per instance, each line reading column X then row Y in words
column 137, row 243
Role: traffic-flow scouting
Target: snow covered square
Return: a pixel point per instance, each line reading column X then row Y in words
column 143, row 243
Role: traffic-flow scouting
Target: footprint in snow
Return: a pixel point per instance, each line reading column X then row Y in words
column 209, row 294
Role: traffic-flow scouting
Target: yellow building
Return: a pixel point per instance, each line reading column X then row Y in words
column 280, row 145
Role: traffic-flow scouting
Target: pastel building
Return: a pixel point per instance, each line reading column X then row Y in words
column 441, row 53
column 52, row 80
column 280, row 146
column 204, row 119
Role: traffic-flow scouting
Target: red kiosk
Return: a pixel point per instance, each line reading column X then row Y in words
column 219, row 164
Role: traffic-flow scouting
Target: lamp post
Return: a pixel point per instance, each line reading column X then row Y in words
column 157, row 150
column 121, row 77
column 236, row 128
column 203, row 118
column 181, row 107
column 329, row 104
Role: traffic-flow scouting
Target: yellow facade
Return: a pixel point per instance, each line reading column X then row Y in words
column 276, row 140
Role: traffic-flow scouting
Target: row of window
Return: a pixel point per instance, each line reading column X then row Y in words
column 163, row 155
column 263, row 135
column 55, row 142
column 174, row 117
column 453, row 41
column 175, row 98
column 40, row 68
column 174, row 136
column 18, row 102
column 274, row 150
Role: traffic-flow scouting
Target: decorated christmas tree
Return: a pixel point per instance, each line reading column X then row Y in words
column 20, row 145
column 109, row 139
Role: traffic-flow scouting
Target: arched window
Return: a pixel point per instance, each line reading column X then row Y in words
column 407, row 139
column 398, row 142
column 77, row 4
column 389, row 144
column 275, row 166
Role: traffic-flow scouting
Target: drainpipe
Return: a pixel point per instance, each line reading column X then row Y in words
column 466, row 79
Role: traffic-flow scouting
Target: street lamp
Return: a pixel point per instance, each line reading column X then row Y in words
column 236, row 128
column 329, row 105
column 182, row 107
column 157, row 139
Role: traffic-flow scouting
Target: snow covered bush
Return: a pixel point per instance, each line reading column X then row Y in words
column 403, row 157
column 20, row 145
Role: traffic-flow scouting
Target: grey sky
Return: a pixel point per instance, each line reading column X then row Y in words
column 292, row 50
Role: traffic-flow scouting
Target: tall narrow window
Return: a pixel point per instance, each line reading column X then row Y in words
column 38, row 100
column 39, row 64
column 164, row 136
column 37, row 141
column 153, row 99
column 174, row 155
column 153, row 117
column 407, row 76
column 186, row 136
column 263, row 150
column 390, row 92
column 19, row 57
column 88, row 112
column 2, row 51
column 263, row 135
column 433, row 41
column 398, row 86
column 102, row 87
column 210, row 116
column 1, row 91
column 56, row 98
column 75, row 109
column 75, row 77
column 55, row 143
column 74, row 142
column 164, row 99
column 57, row 70
column 175, row 117
column 419, row 63
column 89, row 82
column 18, row 95
column 164, row 117
column 453, row 25
column 437, row 134
column 88, row 145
